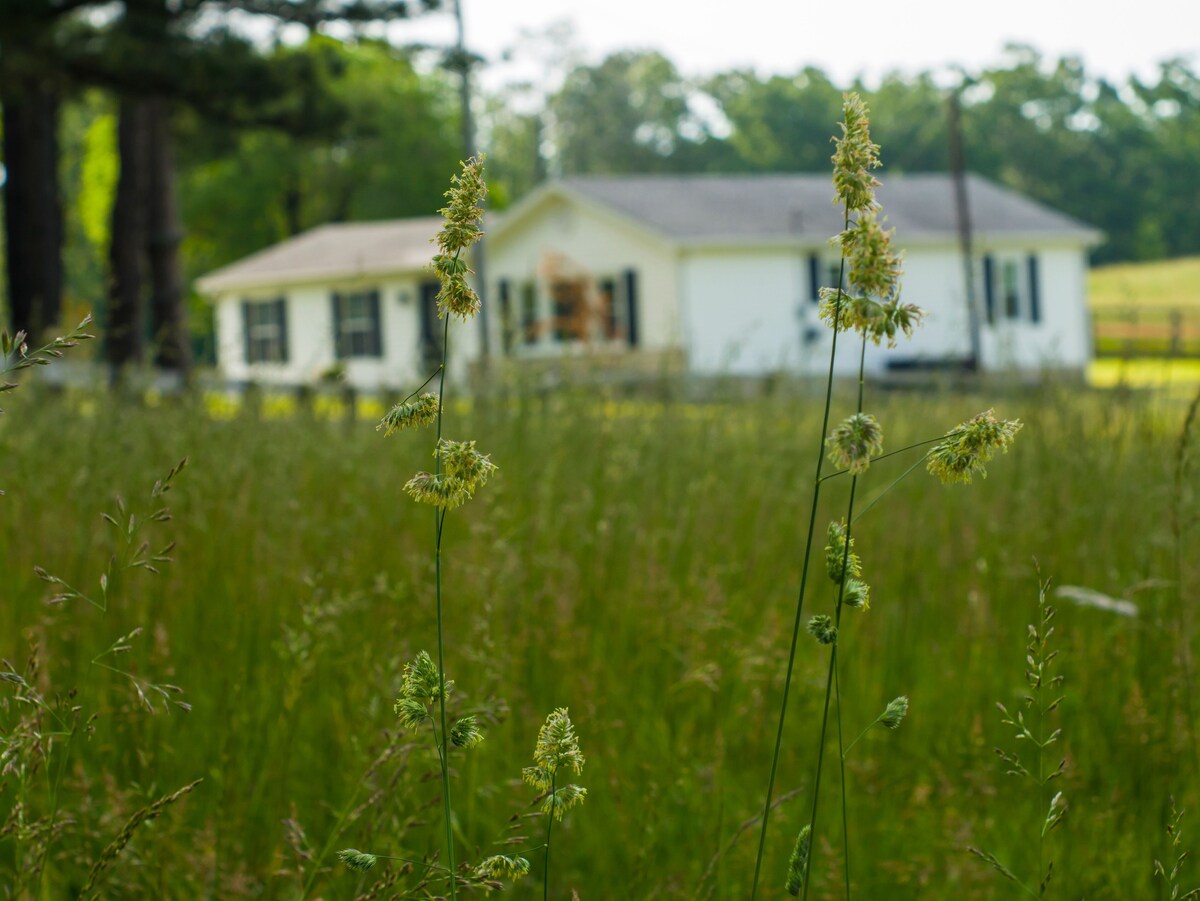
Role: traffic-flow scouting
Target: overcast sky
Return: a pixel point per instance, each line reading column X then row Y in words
column 867, row 37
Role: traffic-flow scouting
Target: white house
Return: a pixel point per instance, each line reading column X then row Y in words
column 717, row 273
column 726, row 269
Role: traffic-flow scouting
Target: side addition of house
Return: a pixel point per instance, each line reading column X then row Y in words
column 352, row 298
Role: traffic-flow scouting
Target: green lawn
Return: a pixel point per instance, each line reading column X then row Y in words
column 636, row 561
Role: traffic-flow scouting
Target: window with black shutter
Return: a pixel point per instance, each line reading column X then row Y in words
column 357, row 329
column 264, row 328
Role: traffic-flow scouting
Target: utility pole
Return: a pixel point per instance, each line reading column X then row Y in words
column 465, row 62
column 963, row 221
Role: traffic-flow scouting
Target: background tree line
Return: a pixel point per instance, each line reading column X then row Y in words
column 151, row 144
column 1122, row 157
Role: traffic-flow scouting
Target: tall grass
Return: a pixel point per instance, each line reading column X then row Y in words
column 620, row 558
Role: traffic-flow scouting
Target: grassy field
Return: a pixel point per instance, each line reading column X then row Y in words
column 1166, row 283
column 636, row 561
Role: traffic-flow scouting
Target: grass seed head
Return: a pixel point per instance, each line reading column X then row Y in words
column 854, row 157
column 463, row 214
column 875, row 268
column 466, row 733
column 421, row 412
column 821, row 628
column 893, row 715
column 838, row 563
column 854, row 441
column 966, row 449
column 359, row 861
column 419, row 690
column 464, row 471
column 857, row 594
column 500, row 866
column 798, row 862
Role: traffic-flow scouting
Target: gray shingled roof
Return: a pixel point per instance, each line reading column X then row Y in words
column 689, row 209
column 339, row 250
column 751, row 208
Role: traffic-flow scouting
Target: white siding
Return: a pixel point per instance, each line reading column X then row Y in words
column 743, row 310
column 934, row 280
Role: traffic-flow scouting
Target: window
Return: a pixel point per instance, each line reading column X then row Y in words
column 356, row 325
column 822, row 273
column 264, row 325
column 570, row 308
column 1010, row 291
column 1011, row 288
column 610, row 315
column 430, row 343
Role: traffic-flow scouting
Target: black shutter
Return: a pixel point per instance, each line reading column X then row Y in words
column 246, row 332
column 1035, row 297
column 281, row 315
column 338, row 350
column 814, row 278
column 631, row 307
column 989, row 289
column 506, row 325
column 376, row 349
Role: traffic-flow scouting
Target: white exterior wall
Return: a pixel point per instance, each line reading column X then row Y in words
column 1062, row 339
column 934, row 280
column 600, row 244
column 743, row 310
column 311, row 349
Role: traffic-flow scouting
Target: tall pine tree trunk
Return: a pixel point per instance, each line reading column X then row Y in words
column 126, row 311
column 172, row 348
column 32, row 203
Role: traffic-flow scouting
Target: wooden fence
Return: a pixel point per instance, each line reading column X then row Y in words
column 1147, row 332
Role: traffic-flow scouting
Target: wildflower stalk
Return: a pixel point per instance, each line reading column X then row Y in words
column 837, row 689
column 557, row 749
column 458, row 471
column 871, row 307
column 439, row 516
column 1171, row 877
column 833, row 664
column 831, row 676
column 549, row 827
column 833, row 659
column 1041, row 699
column 812, row 526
